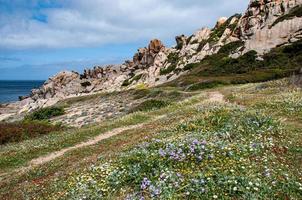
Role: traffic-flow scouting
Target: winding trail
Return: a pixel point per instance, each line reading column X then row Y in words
column 93, row 141
column 212, row 97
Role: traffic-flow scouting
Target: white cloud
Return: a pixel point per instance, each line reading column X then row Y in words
column 86, row 23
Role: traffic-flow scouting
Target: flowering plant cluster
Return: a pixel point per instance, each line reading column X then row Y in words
column 222, row 153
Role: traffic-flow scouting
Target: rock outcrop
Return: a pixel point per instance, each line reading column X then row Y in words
column 270, row 23
column 266, row 24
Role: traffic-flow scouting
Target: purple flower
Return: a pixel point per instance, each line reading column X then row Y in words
column 145, row 183
column 162, row 152
column 195, row 142
column 192, row 149
column 254, row 145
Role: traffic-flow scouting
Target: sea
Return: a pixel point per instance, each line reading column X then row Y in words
column 11, row 90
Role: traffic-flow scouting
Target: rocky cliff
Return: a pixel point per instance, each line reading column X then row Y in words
column 265, row 24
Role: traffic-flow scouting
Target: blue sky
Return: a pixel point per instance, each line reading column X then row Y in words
column 39, row 38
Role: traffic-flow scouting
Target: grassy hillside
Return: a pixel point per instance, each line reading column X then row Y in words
column 232, row 142
column 220, row 69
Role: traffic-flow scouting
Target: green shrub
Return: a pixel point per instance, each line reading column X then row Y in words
column 190, row 66
column 173, row 58
column 19, row 131
column 217, row 32
column 230, row 47
column 128, row 82
column 201, row 45
column 151, row 104
column 86, row 84
column 280, row 62
column 167, row 70
column 205, row 85
column 45, row 113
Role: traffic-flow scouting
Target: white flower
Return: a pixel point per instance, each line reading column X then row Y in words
column 256, row 189
column 250, row 183
column 215, row 196
column 235, row 188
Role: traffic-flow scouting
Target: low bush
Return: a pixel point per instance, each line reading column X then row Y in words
column 45, row 113
column 151, row 104
column 190, row 66
column 167, row 70
column 128, row 82
column 86, row 84
column 173, row 58
column 16, row 132
column 230, row 47
column 205, row 85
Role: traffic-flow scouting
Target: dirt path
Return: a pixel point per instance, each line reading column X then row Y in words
column 213, row 97
column 216, row 97
column 93, row 141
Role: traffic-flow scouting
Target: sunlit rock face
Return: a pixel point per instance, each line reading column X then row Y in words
column 261, row 27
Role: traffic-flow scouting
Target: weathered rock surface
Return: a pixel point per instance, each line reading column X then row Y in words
column 258, row 27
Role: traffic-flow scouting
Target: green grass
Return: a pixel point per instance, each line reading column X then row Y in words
column 205, row 85
column 249, row 153
column 18, row 154
column 278, row 63
column 45, row 113
column 221, row 150
column 151, row 104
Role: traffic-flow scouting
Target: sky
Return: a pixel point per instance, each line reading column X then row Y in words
column 39, row 38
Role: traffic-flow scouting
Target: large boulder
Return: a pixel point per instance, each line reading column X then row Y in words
column 221, row 21
column 145, row 57
column 155, row 46
column 181, row 41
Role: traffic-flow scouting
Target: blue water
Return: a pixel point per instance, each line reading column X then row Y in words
column 11, row 90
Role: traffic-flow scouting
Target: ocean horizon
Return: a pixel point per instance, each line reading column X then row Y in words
column 10, row 90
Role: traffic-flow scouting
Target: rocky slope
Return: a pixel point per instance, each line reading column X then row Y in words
column 266, row 24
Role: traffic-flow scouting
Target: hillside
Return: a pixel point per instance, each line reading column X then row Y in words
column 218, row 116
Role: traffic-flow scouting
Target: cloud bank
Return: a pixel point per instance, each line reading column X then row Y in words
column 86, row 23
